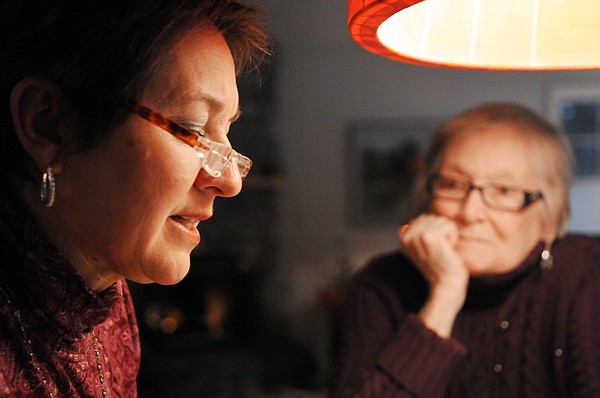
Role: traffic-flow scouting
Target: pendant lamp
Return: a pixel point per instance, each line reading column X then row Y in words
column 481, row 34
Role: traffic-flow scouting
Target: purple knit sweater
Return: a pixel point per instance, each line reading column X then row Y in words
column 529, row 333
column 58, row 312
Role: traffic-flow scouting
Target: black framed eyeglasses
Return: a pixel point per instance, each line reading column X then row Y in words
column 214, row 157
column 496, row 196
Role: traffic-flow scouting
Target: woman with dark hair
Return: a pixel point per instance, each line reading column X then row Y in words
column 488, row 295
column 114, row 146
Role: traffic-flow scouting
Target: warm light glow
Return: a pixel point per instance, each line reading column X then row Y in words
column 481, row 34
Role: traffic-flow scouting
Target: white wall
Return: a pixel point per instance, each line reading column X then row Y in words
column 326, row 80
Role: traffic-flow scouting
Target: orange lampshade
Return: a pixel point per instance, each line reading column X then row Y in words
column 481, row 34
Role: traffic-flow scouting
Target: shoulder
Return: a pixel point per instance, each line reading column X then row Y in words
column 393, row 278
column 577, row 252
column 385, row 267
column 576, row 241
column 576, row 260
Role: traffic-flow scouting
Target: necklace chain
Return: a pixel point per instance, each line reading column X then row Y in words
column 98, row 363
column 33, row 359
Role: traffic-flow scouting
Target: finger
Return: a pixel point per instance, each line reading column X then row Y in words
column 402, row 230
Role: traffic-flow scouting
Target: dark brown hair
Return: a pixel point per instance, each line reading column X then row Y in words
column 98, row 50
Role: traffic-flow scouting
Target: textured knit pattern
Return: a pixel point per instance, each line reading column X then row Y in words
column 59, row 312
column 529, row 333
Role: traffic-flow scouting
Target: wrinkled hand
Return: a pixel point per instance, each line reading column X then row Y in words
column 430, row 242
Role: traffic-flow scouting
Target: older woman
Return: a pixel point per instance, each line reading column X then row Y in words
column 114, row 123
column 488, row 296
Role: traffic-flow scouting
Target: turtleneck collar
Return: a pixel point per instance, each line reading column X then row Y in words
column 489, row 290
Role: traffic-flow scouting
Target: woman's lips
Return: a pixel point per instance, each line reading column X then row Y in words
column 471, row 239
column 188, row 222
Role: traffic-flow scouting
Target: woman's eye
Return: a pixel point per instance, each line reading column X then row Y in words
column 450, row 184
column 196, row 129
column 501, row 190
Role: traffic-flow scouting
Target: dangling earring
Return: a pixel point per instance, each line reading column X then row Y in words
column 546, row 258
column 48, row 190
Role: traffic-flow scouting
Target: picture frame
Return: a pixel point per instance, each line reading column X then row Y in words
column 575, row 108
column 384, row 161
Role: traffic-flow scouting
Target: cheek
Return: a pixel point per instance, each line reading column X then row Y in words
column 518, row 236
column 164, row 166
column 444, row 208
column 526, row 225
column 168, row 175
column 146, row 186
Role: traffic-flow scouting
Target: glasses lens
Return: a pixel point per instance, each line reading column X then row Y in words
column 216, row 159
column 244, row 164
column 504, row 197
column 218, row 156
column 494, row 195
column 449, row 188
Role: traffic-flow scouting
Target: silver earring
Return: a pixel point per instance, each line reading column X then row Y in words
column 48, row 188
column 546, row 258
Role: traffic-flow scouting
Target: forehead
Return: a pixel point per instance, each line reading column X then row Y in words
column 199, row 67
column 494, row 152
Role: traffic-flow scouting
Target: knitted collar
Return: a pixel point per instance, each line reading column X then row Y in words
column 489, row 290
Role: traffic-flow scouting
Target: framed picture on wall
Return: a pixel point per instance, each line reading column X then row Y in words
column 383, row 160
column 575, row 108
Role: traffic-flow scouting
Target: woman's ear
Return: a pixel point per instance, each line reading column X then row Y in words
column 39, row 110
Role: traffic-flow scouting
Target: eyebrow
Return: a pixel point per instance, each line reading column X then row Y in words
column 502, row 177
column 500, row 173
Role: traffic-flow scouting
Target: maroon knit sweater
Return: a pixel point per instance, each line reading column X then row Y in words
column 58, row 312
column 529, row 333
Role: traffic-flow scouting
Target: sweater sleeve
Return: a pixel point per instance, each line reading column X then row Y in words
column 386, row 351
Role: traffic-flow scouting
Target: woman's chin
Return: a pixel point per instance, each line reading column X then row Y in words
column 169, row 275
column 481, row 270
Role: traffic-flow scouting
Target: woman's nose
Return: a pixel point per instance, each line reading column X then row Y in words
column 227, row 185
column 473, row 206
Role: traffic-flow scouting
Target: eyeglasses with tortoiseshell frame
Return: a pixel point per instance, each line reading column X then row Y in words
column 214, row 157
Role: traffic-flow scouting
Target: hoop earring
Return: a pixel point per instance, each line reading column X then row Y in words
column 48, row 188
column 546, row 258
